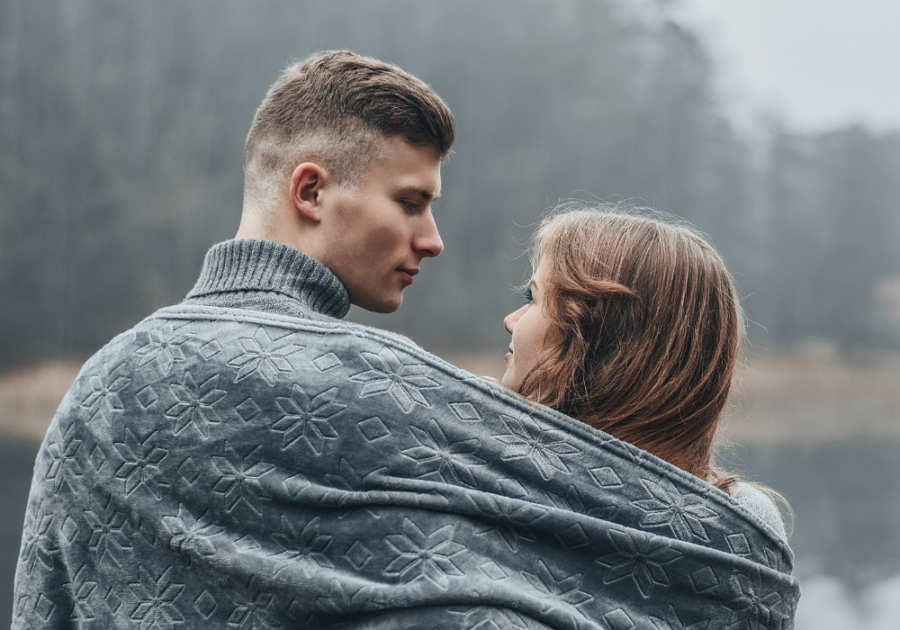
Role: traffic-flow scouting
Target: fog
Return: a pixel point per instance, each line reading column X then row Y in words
column 121, row 130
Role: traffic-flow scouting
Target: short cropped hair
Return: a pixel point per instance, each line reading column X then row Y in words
column 337, row 108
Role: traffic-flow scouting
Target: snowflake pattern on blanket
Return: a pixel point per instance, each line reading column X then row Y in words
column 218, row 468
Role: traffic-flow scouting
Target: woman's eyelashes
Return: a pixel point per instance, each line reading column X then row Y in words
column 529, row 296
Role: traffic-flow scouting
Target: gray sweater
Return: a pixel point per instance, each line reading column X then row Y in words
column 248, row 460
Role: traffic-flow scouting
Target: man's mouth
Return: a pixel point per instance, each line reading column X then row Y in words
column 406, row 274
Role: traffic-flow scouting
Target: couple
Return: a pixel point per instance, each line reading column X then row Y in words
column 246, row 459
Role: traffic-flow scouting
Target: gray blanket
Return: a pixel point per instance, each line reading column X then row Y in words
column 335, row 475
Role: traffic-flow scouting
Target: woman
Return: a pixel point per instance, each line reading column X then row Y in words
column 633, row 326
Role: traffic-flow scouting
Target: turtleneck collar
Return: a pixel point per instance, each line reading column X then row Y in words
column 268, row 276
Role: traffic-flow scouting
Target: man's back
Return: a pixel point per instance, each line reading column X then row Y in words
column 236, row 467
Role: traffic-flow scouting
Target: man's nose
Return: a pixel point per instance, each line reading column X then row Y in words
column 428, row 242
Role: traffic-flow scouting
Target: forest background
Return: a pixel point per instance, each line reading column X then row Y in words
column 121, row 130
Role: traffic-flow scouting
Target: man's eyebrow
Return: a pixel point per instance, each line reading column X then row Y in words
column 422, row 193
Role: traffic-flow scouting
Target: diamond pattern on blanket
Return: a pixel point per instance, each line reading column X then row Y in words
column 210, row 349
column 738, row 544
column 605, row 477
column 44, row 607
column 97, row 459
column 340, row 598
column 37, row 545
column 684, row 514
column 80, row 589
column 358, row 554
column 64, row 464
column 146, row 397
column 643, row 559
column 141, row 463
column 263, row 356
column 307, row 418
column 404, row 382
column 236, row 482
column 255, row 609
column 163, row 345
column 238, row 478
column 157, row 599
column 103, row 399
column 109, row 539
column 189, row 471
column 755, row 602
column 674, row 622
column 465, row 411
column 248, row 410
column 557, row 588
column 545, row 448
column 704, row 580
column 191, row 536
column 195, row 404
column 205, row 604
column 432, row 556
column 373, row 428
column 453, row 461
column 302, row 549
column 493, row 570
column 326, row 362
column 511, row 521
column 619, row 620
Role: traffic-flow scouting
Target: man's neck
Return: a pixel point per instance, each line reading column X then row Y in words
column 264, row 275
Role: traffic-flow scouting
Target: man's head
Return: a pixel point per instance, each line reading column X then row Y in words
column 342, row 162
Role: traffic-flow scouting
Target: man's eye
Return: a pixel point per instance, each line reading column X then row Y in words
column 410, row 206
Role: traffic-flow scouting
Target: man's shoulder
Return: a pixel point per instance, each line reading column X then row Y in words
column 228, row 338
column 237, row 339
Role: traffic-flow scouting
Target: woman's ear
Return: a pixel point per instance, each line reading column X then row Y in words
column 307, row 182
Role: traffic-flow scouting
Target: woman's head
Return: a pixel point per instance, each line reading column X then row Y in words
column 635, row 330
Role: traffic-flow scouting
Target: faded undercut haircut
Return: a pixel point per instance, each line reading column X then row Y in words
column 337, row 108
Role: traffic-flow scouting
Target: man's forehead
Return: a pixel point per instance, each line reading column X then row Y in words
column 412, row 169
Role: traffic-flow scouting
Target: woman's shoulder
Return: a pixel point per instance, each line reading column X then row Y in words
column 761, row 505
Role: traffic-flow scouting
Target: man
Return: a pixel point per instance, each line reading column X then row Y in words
column 353, row 192
column 248, row 460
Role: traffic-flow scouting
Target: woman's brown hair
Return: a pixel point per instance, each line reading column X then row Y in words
column 651, row 331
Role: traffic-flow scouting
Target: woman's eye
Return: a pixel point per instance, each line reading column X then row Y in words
column 529, row 298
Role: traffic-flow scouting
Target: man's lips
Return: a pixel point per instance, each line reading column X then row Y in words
column 406, row 274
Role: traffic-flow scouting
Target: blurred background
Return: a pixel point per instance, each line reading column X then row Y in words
column 771, row 126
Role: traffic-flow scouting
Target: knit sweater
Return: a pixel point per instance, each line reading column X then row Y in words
column 248, row 460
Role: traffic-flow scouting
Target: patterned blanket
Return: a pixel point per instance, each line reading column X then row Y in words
column 219, row 468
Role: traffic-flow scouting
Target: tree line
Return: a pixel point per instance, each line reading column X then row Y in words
column 122, row 125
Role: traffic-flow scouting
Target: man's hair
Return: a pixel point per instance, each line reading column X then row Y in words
column 651, row 331
column 336, row 108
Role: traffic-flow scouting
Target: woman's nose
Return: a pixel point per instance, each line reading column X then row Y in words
column 509, row 322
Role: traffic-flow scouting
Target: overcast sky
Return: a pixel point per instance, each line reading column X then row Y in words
column 816, row 63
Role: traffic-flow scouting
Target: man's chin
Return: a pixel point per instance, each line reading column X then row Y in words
column 376, row 305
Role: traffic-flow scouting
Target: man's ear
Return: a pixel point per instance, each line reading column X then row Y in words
column 307, row 183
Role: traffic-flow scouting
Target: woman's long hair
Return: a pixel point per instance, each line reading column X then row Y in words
column 651, row 331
